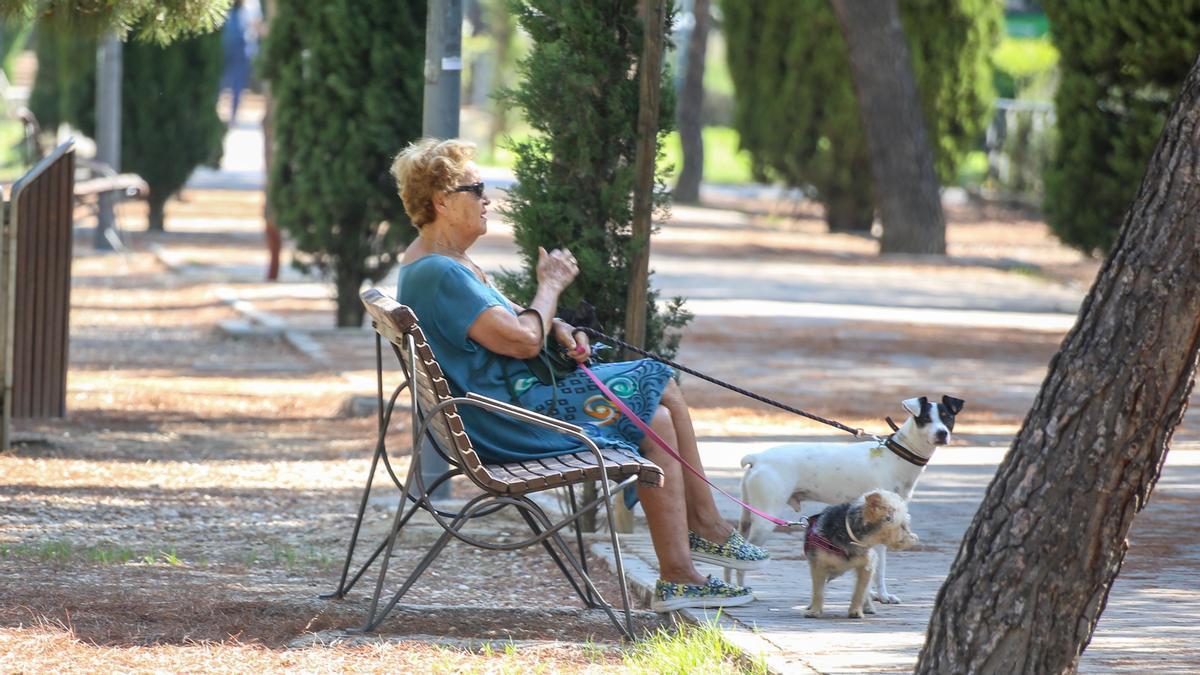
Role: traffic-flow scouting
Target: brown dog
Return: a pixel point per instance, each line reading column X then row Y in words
column 840, row 539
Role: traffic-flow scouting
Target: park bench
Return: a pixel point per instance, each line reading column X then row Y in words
column 93, row 178
column 434, row 415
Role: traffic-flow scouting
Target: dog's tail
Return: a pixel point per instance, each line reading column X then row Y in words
column 747, row 466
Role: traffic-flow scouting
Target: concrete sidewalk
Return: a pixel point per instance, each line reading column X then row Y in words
column 1151, row 622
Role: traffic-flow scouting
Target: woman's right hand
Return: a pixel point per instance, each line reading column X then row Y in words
column 556, row 269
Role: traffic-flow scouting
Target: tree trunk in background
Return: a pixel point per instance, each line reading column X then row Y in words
column 350, row 309
column 273, row 236
column 1035, row 568
column 157, row 215
column 906, row 185
column 691, row 100
column 850, row 207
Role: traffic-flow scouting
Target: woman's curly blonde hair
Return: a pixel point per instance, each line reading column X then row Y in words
column 427, row 167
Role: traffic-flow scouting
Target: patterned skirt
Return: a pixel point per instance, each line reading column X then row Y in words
column 576, row 399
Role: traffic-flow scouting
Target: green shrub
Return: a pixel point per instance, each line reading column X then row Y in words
column 346, row 77
column 169, row 122
column 575, row 173
column 1122, row 63
column 64, row 89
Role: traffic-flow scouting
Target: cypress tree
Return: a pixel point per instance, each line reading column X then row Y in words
column 1121, row 64
column 579, row 91
column 64, row 89
column 158, row 21
column 169, row 122
column 346, row 79
column 796, row 110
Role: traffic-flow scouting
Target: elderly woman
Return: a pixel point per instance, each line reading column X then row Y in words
column 481, row 338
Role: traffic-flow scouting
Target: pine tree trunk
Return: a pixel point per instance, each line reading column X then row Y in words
column 849, row 210
column 691, row 101
column 157, row 213
column 349, row 307
column 901, row 156
column 1035, row 568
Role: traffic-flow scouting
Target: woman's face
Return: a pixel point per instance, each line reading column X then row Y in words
column 467, row 207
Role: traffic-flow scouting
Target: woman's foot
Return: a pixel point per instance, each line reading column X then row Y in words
column 736, row 553
column 670, row 596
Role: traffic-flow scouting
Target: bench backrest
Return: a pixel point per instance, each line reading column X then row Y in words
column 396, row 322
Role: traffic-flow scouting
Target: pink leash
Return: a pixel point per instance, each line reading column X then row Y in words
column 671, row 451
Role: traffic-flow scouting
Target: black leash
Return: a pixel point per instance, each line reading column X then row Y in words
column 782, row 406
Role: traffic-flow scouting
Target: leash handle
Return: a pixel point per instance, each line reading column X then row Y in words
column 857, row 433
column 672, row 452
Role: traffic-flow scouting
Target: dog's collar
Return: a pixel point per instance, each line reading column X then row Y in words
column 903, row 452
column 850, row 533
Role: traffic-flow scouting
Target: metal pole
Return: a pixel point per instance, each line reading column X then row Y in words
column 443, row 69
column 108, row 129
column 439, row 119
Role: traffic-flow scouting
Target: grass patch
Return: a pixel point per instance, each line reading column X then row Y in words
column 101, row 554
column 1025, row 57
column 691, row 649
column 973, row 169
column 290, row 558
column 723, row 161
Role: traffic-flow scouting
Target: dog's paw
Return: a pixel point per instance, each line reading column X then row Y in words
column 855, row 614
column 868, row 609
column 885, row 598
column 811, row 613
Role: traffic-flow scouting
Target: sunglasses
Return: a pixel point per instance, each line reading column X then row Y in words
column 474, row 188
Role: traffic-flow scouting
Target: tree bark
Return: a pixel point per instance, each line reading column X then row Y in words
column 653, row 13
column 350, row 309
column 157, row 214
column 691, row 100
column 906, row 184
column 849, row 208
column 1035, row 568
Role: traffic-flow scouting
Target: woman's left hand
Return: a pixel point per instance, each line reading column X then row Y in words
column 572, row 339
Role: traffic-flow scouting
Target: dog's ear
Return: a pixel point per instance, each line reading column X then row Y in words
column 875, row 507
column 953, row 404
column 914, row 406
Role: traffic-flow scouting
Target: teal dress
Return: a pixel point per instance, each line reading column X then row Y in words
column 447, row 298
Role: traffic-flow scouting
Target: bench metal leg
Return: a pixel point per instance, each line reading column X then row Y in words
column 627, row 627
column 583, row 593
column 384, row 416
column 591, row 602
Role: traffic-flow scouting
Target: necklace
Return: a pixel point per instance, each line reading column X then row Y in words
column 461, row 256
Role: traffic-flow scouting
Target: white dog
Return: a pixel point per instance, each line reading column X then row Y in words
column 834, row 473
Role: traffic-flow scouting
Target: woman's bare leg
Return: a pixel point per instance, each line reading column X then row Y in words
column 666, row 508
column 702, row 515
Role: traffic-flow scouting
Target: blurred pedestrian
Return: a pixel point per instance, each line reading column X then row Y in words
column 239, row 41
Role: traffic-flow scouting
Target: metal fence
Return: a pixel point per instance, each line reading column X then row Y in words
column 35, row 290
column 1019, row 143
